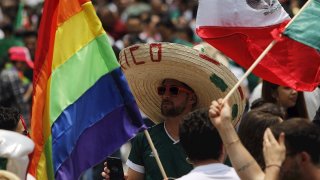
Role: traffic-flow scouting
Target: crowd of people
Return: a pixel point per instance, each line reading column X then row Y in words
column 276, row 135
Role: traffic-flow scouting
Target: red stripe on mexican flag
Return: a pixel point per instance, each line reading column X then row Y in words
column 241, row 29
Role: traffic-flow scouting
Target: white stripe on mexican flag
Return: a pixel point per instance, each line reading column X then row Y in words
column 240, row 13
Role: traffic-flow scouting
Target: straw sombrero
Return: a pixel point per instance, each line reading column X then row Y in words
column 147, row 65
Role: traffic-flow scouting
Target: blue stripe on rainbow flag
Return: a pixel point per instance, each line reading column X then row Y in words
column 108, row 93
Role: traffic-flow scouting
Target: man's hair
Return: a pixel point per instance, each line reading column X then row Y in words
column 9, row 118
column 252, row 127
column 267, row 107
column 300, row 136
column 199, row 138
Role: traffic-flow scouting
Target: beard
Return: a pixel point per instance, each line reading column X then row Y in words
column 168, row 109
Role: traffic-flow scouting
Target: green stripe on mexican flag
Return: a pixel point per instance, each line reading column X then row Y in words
column 306, row 26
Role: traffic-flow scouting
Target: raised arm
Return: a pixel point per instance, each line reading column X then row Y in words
column 241, row 159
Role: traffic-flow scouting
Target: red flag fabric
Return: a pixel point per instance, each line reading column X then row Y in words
column 242, row 30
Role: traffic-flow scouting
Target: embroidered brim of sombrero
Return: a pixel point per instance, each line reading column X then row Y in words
column 147, row 65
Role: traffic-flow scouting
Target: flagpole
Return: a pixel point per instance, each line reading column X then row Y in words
column 262, row 55
column 156, row 155
column 256, row 62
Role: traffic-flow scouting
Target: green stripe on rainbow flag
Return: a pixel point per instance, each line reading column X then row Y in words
column 73, row 82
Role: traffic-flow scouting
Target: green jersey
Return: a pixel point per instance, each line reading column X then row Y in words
column 172, row 156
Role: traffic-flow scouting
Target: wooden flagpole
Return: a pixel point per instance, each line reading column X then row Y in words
column 156, row 155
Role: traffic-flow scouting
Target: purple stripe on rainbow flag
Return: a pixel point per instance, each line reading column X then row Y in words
column 97, row 141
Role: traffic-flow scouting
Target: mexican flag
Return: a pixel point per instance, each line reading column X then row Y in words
column 241, row 29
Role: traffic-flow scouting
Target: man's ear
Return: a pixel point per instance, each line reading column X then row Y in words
column 305, row 157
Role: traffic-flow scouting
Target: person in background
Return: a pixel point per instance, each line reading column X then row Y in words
column 204, row 148
column 166, row 29
column 15, row 88
column 11, row 88
column 10, row 119
column 12, row 127
column 253, row 125
column 8, row 41
column 111, row 22
column 311, row 99
column 289, row 99
column 29, row 38
column 302, row 140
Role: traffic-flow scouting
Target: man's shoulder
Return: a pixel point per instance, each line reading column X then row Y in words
column 156, row 128
column 153, row 131
column 208, row 176
column 212, row 171
column 194, row 175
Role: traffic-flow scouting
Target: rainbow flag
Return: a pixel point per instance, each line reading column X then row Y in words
column 82, row 108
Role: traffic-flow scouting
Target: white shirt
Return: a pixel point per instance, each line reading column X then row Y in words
column 211, row 171
column 16, row 147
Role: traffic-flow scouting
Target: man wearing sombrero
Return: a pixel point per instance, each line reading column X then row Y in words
column 169, row 81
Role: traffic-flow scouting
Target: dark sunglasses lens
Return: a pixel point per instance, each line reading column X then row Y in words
column 174, row 90
column 161, row 90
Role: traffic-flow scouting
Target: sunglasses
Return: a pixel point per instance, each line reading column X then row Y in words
column 173, row 90
column 25, row 132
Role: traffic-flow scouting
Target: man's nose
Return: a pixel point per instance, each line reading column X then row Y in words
column 167, row 93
